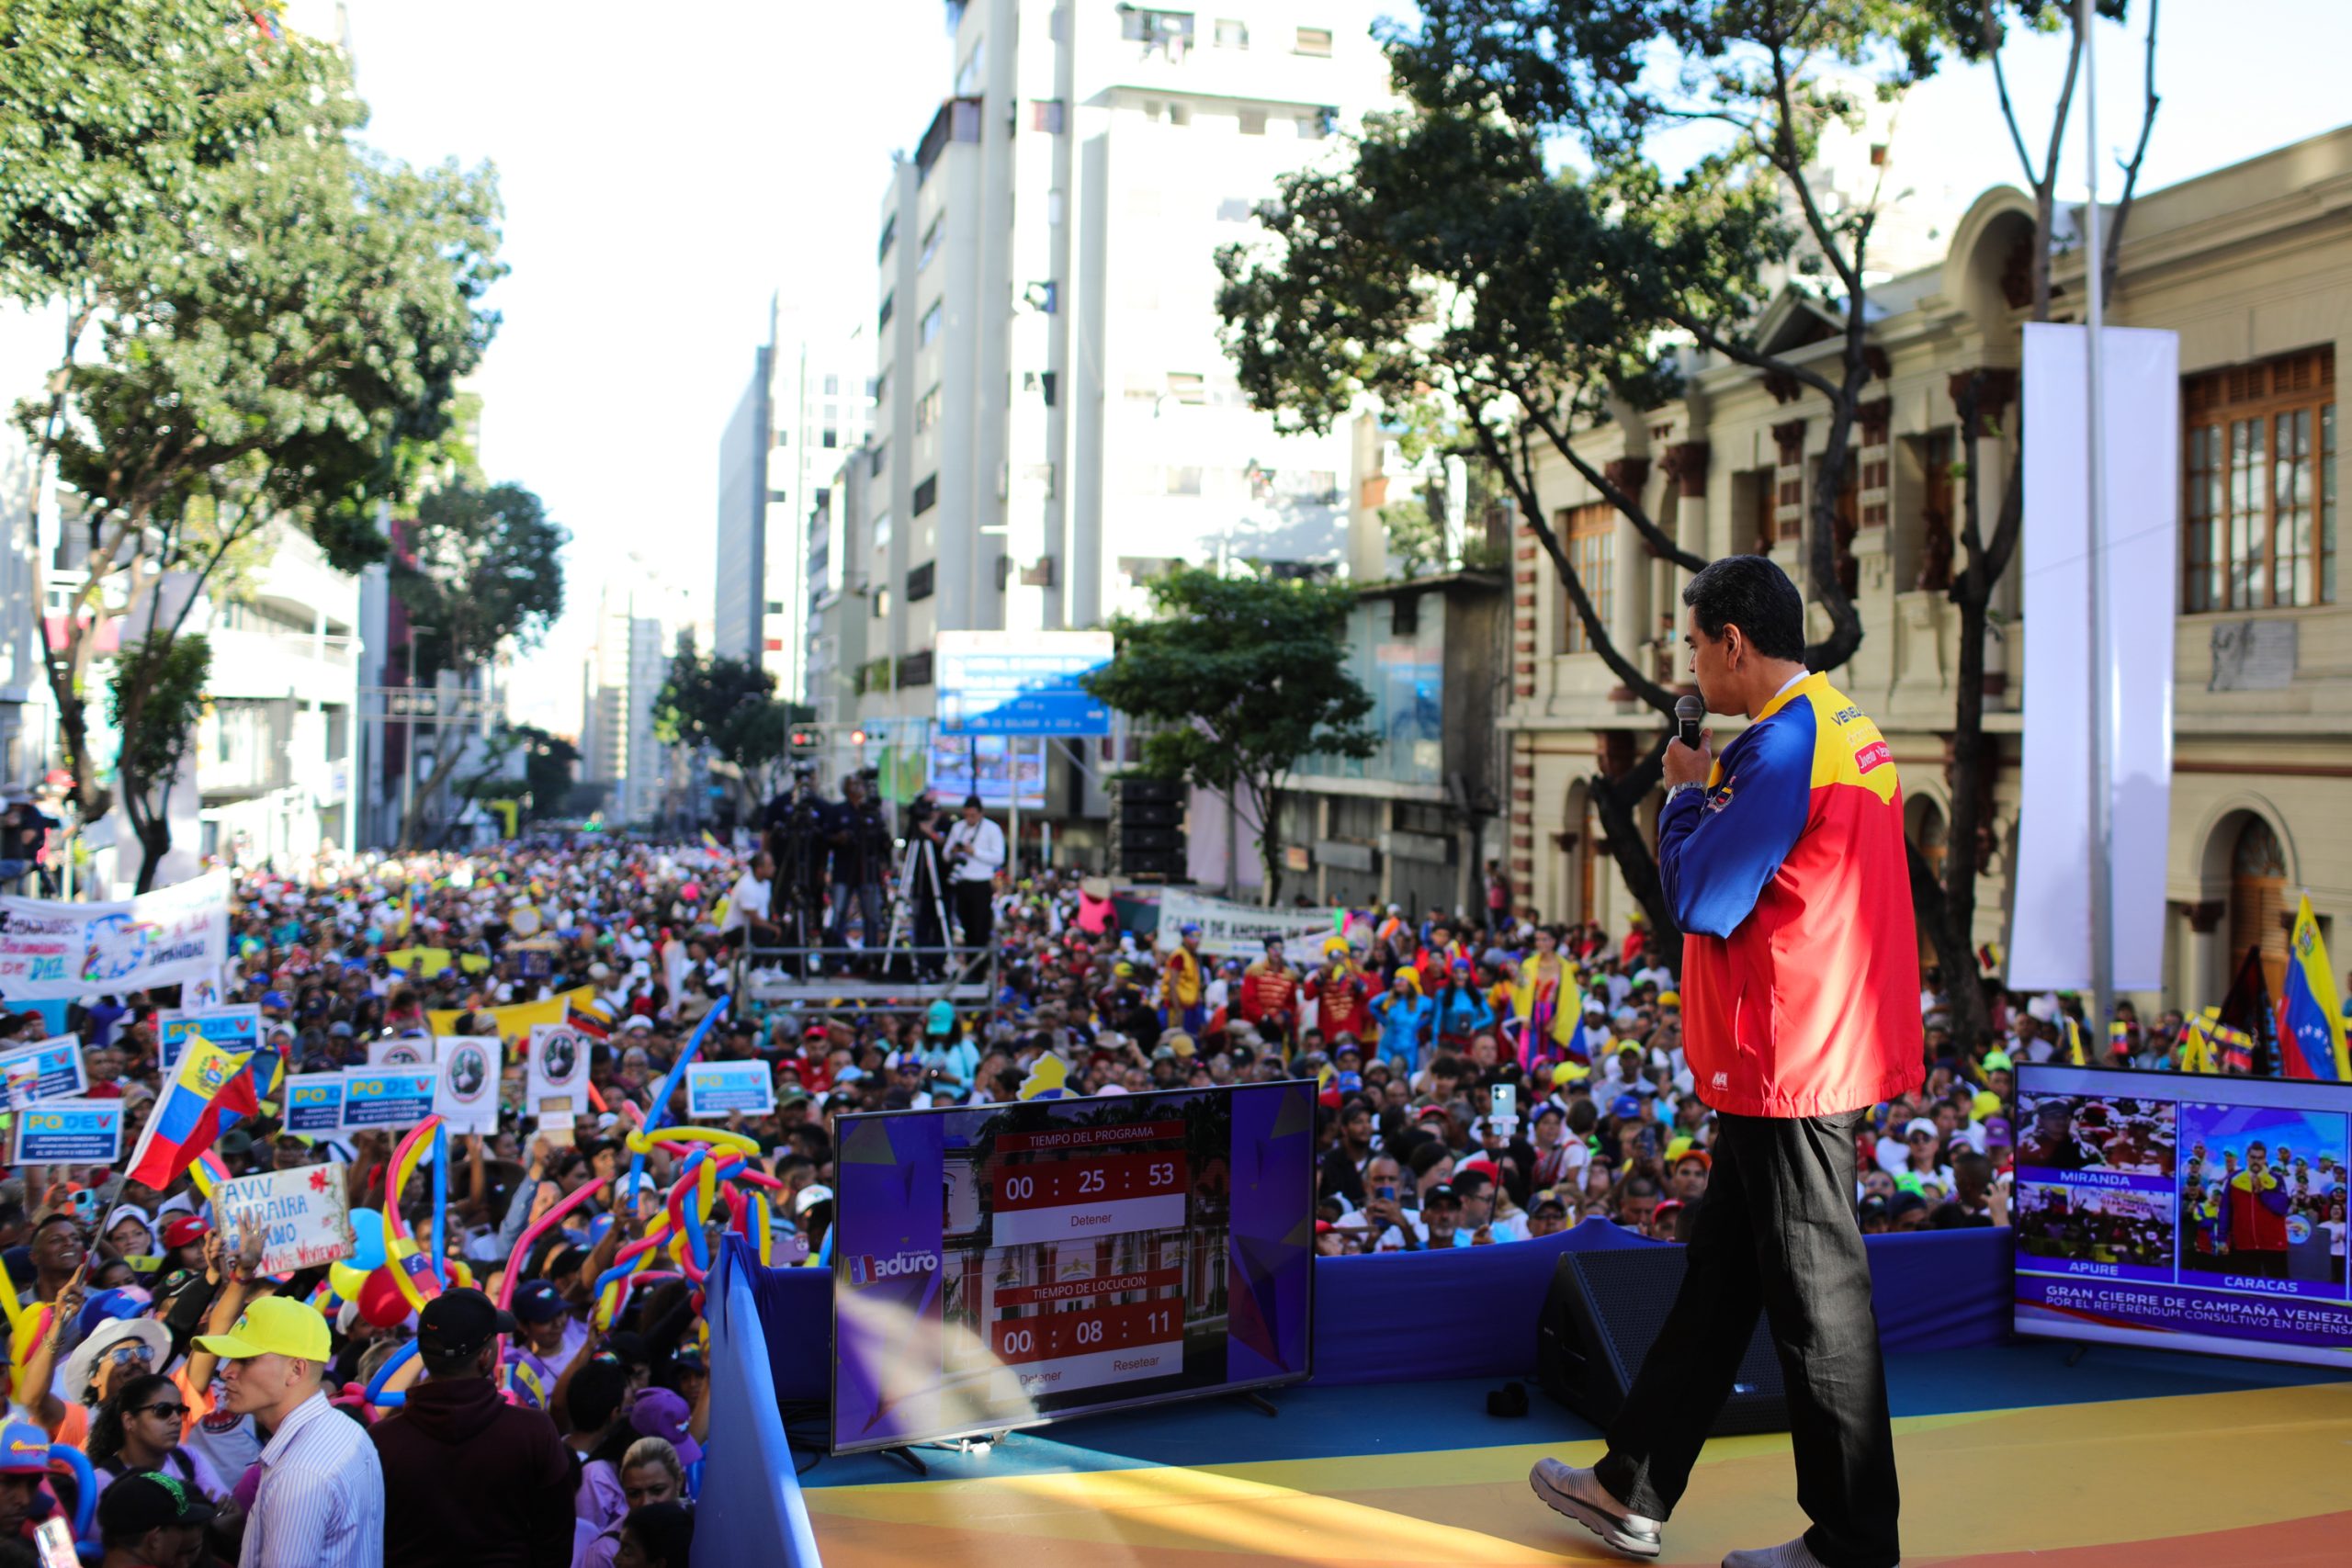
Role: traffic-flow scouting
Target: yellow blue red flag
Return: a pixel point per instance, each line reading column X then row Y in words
column 2311, row 1023
column 209, row 1092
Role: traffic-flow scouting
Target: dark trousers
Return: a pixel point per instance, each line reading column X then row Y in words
column 976, row 912
column 1775, row 1233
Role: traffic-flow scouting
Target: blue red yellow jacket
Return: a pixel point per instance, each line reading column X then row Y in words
column 1788, row 873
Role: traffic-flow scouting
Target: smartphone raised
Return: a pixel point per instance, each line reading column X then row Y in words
column 1506, row 1101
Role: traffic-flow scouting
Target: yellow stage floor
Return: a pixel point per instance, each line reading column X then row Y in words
column 2252, row 1476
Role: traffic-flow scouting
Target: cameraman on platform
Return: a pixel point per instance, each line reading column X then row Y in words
column 974, row 854
column 861, row 857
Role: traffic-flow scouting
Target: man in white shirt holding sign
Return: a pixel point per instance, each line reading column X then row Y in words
column 974, row 854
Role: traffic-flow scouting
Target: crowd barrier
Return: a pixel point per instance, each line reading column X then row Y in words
column 1384, row 1317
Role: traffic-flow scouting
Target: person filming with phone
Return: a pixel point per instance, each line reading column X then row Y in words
column 1784, row 859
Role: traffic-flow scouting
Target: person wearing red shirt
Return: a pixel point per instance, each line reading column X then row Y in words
column 1784, row 862
column 1338, row 994
column 1269, row 993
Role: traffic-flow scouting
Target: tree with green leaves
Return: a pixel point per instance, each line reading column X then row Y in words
column 262, row 354
column 480, row 570
column 1243, row 677
column 548, row 763
column 162, row 677
column 1945, row 904
column 728, row 707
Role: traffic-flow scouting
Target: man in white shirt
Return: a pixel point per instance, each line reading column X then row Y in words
column 747, row 902
column 320, row 1504
column 974, row 854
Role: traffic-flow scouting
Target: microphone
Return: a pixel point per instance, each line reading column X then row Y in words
column 1688, row 714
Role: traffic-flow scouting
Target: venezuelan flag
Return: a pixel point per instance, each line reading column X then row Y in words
column 2310, row 1024
column 211, row 1092
column 2196, row 1053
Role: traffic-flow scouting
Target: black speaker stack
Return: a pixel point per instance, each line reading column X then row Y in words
column 1605, row 1311
column 1150, row 829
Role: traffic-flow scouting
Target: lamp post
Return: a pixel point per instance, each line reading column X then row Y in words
column 408, row 738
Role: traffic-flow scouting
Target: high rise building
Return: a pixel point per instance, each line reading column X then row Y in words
column 810, row 401
column 1055, row 422
column 640, row 621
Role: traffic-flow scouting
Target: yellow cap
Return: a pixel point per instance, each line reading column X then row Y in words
column 1570, row 1072
column 272, row 1325
column 1986, row 1103
column 1669, row 998
column 1677, row 1149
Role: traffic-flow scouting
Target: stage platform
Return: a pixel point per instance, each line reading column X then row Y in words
column 2007, row 1454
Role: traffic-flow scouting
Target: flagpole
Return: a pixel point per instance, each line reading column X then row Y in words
column 2102, row 664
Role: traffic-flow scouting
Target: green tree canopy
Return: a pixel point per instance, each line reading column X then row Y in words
column 1243, row 677
column 161, row 680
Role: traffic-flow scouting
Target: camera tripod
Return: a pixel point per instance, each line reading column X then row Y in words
column 905, row 915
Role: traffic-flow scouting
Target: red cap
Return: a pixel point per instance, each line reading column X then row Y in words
column 184, row 1231
column 1322, row 1226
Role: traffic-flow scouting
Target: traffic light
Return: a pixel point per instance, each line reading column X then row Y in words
column 1150, row 831
column 803, row 738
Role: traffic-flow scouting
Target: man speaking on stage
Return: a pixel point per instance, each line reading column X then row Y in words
column 1783, row 860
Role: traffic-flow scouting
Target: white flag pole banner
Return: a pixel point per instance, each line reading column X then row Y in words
column 2050, row 938
column 1241, row 930
column 54, row 952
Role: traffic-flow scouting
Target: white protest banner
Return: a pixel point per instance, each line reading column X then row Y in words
column 728, row 1088
column 1241, row 930
column 302, row 1216
column 556, row 1077
column 55, row 952
column 231, row 1028
column 408, row 1051
column 49, row 1069
column 315, row 1104
column 69, row 1131
column 387, row 1097
column 465, row 1094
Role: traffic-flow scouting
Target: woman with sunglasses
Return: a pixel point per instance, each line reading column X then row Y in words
column 137, row 1427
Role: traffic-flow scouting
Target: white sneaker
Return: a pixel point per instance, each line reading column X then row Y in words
column 1788, row 1554
column 1578, row 1495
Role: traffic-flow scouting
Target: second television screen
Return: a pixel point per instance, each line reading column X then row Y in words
column 999, row 1266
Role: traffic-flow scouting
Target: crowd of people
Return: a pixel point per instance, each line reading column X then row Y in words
column 1482, row 1081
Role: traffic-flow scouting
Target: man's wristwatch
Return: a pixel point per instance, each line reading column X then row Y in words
column 1677, row 789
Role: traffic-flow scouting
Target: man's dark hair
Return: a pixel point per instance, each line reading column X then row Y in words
column 1754, row 594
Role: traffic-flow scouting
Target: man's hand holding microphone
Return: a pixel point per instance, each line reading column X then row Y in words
column 1690, row 755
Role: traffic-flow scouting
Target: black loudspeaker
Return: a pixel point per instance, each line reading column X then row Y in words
column 1605, row 1311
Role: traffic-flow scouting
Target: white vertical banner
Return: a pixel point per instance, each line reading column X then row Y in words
column 2050, row 936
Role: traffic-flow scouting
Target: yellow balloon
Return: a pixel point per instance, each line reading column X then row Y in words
column 347, row 1281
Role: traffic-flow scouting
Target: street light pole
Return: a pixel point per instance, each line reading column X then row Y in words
column 408, row 740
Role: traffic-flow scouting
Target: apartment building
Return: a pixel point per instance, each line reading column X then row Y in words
column 1055, row 422
column 809, row 402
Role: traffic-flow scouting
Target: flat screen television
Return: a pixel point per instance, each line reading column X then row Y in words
column 2182, row 1212
column 998, row 1267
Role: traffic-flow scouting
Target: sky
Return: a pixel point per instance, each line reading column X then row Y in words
column 665, row 170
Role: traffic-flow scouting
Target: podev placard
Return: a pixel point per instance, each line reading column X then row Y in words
column 69, row 1131
column 387, row 1097
column 231, row 1028
column 302, row 1216
column 48, row 1070
column 729, row 1088
column 315, row 1104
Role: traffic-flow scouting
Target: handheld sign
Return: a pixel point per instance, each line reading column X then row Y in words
column 469, row 1068
column 557, row 1075
column 726, row 1088
column 302, row 1217
column 387, row 1097
column 69, row 1131
column 315, row 1104
column 231, row 1028
column 410, row 1051
column 48, row 1070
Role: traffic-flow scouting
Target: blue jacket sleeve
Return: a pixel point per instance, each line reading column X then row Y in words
column 1716, row 849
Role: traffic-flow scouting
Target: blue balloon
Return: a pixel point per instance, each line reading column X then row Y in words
column 368, row 1227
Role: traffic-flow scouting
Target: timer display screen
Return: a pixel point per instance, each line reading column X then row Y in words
column 1002, row 1265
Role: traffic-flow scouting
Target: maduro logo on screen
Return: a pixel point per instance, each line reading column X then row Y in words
column 864, row 1267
